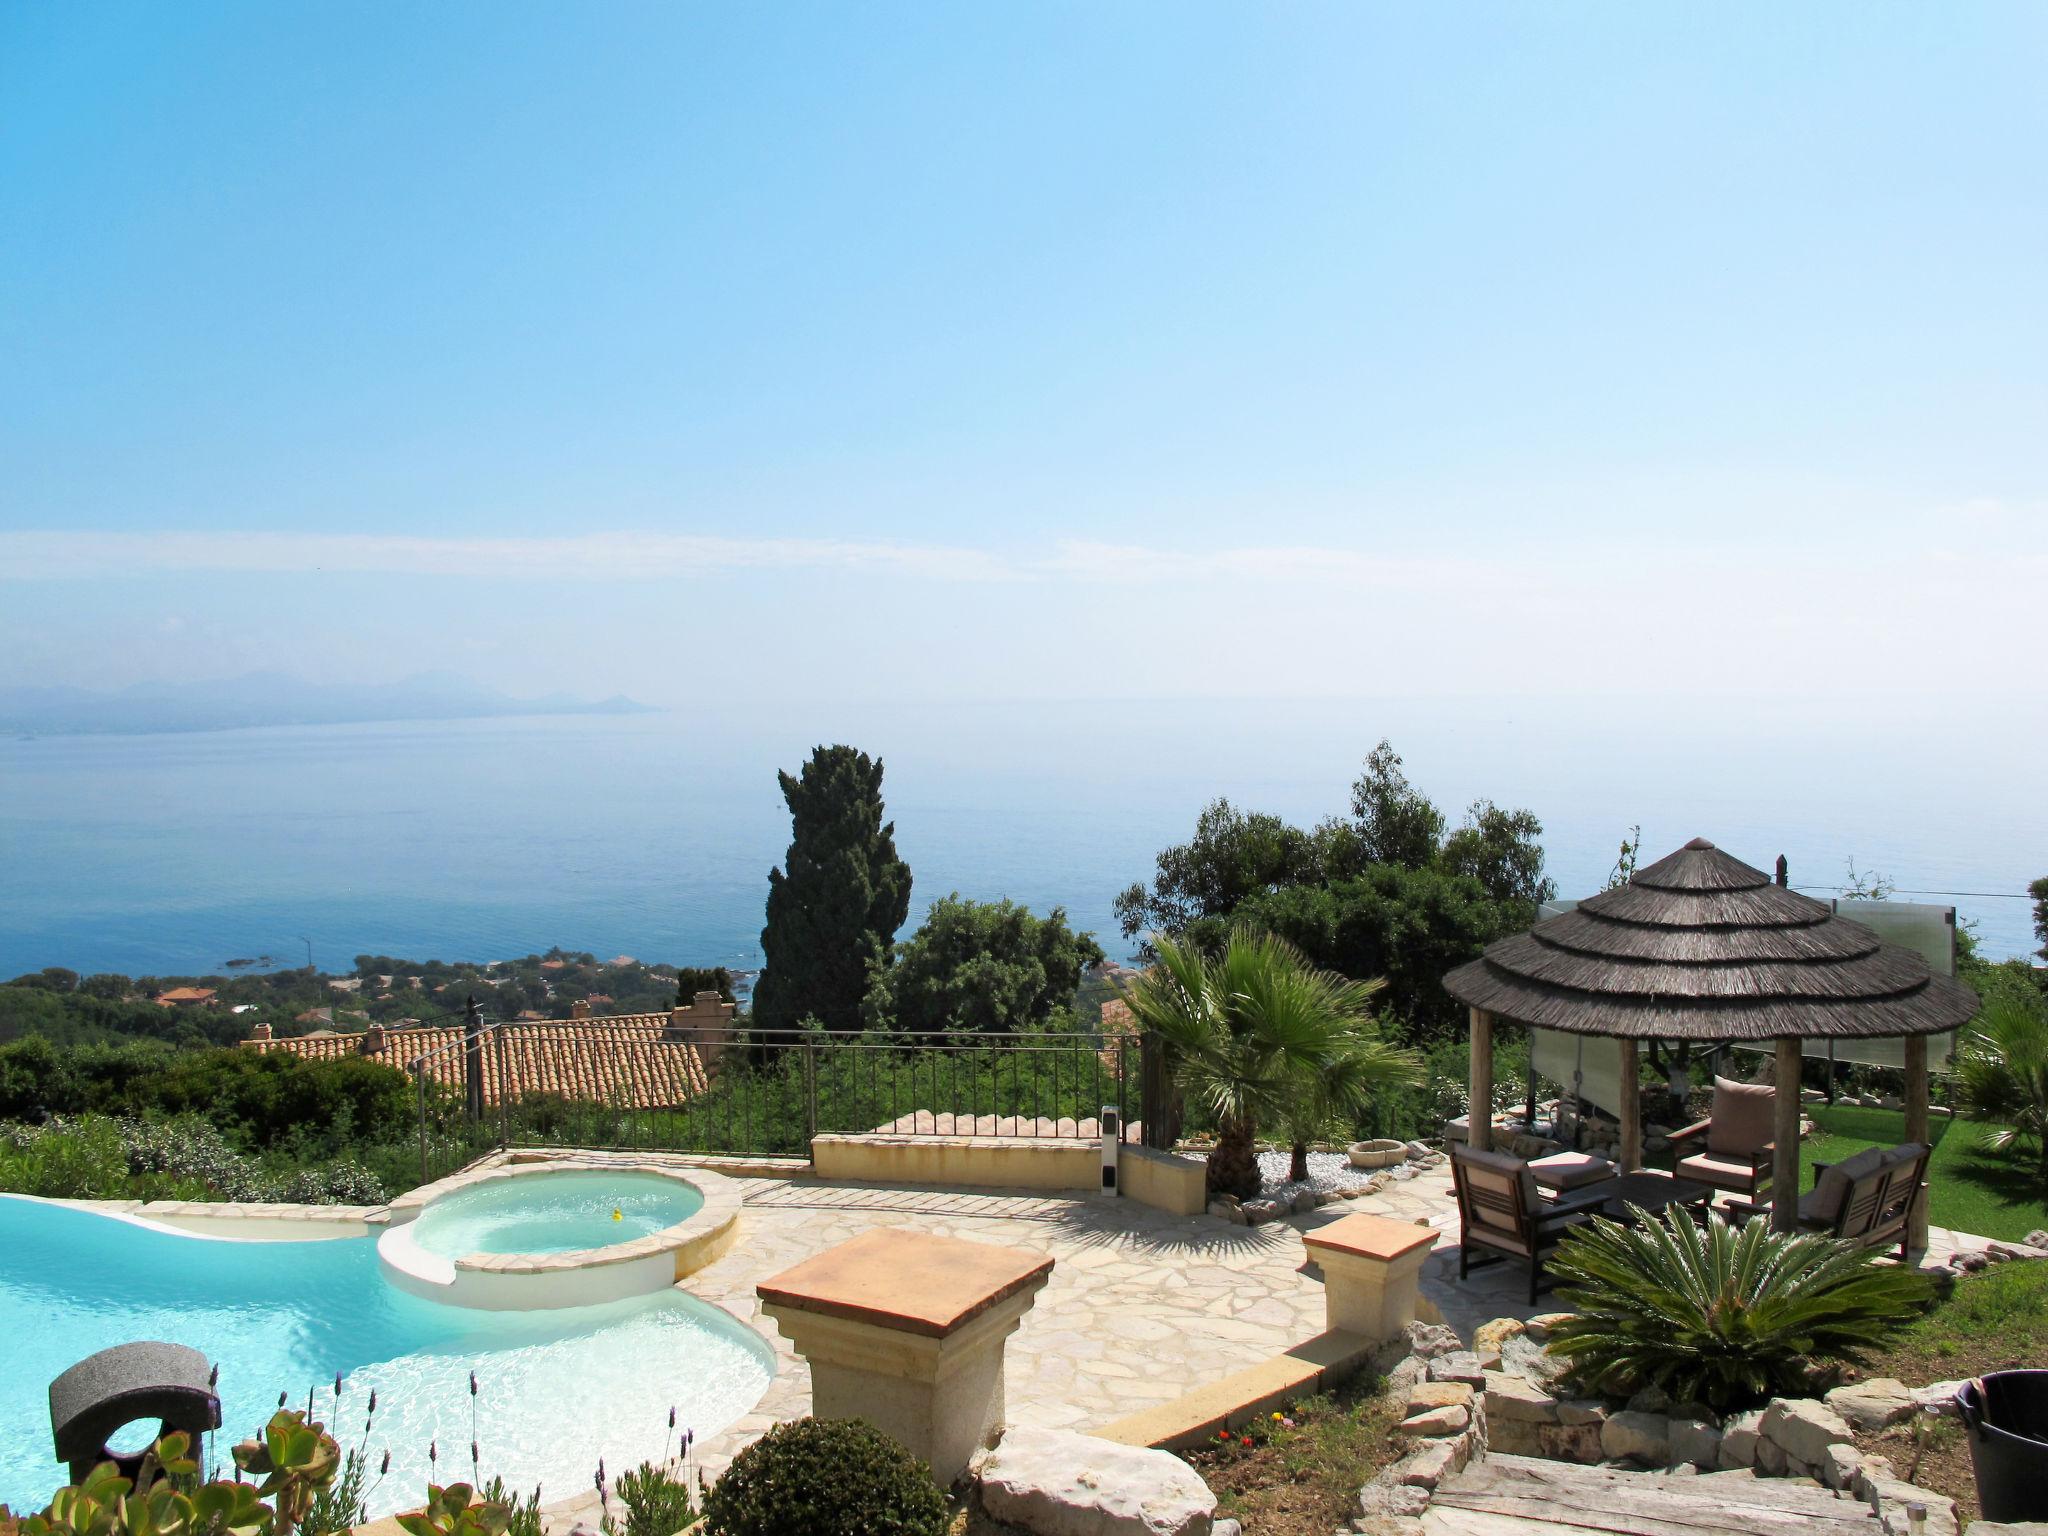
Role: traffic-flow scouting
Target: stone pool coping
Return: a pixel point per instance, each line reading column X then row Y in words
column 695, row 1241
column 219, row 1218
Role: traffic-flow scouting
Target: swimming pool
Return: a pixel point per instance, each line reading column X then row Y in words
column 554, row 1212
column 556, row 1388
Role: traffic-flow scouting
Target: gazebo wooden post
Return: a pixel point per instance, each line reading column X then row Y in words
column 1916, row 1130
column 1479, row 1118
column 1785, row 1155
column 1631, row 1108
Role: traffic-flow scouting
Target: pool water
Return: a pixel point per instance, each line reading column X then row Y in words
column 553, row 1213
column 556, row 1388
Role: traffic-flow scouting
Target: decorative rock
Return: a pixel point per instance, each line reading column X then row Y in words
column 1895, row 1497
column 1257, row 1211
column 1429, row 1340
column 1225, row 1528
column 1459, row 1365
column 1581, row 1410
column 1650, row 1400
column 1435, row 1421
column 1406, row 1374
column 1696, row 1443
column 1513, row 1397
column 1487, row 1338
column 1053, row 1482
column 2038, row 1238
column 1770, row 1457
column 1569, row 1442
column 1515, row 1437
column 1439, row 1394
column 1739, row 1437
column 1874, row 1404
column 1841, row 1466
column 1938, row 1398
column 1422, row 1468
column 1522, row 1355
column 1538, row 1327
column 1230, row 1212
column 1305, row 1200
column 1803, row 1429
column 1638, row 1437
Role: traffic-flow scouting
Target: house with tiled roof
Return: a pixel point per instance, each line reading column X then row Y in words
column 187, row 997
column 636, row 1060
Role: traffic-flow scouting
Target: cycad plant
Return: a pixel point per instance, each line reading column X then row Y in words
column 2002, row 1073
column 1257, row 1034
column 1723, row 1316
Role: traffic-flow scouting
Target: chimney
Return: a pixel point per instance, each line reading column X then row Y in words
column 373, row 1040
column 706, row 1024
column 261, row 1032
column 579, row 1009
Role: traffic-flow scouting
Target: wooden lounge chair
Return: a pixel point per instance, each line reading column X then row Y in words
column 1865, row 1199
column 1504, row 1214
column 1733, row 1147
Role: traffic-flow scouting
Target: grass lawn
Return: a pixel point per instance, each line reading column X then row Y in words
column 1968, row 1188
column 1994, row 1321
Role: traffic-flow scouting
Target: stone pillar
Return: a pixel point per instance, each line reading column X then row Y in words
column 906, row 1330
column 1371, row 1267
column 1630, row 1109
column 1785, row 1138
column 1916, row 1130
column 1479, row 1118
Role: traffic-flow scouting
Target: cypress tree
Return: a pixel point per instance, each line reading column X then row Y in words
column 834, row 909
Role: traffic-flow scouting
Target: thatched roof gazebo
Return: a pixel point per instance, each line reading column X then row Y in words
column 1701, row 947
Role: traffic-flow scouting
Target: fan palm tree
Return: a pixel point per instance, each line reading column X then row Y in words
column 1259, row 1034
column 2002, row 1073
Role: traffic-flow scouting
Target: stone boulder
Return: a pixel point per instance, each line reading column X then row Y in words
column 1053, row 1482
column 1803, row 1429
column 1696, row 1442
column 1875, row 1404
column 1644, row 1438
column 1739, row 1439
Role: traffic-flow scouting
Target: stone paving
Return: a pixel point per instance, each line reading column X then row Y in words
column 1141, row 1307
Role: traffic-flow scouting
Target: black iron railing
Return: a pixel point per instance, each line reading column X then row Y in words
column 637, row 1084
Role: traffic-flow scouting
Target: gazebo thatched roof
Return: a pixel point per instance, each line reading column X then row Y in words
column 1700, row 946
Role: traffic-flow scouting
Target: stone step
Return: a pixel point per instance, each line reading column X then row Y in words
column 1505, row 1493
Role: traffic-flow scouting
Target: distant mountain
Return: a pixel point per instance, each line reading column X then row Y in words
column 272, row 698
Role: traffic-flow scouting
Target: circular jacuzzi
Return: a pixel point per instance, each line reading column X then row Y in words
column 557, row 1234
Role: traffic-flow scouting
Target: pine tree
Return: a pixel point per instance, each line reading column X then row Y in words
column 834, row 909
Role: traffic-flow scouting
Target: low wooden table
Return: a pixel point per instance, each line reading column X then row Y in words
column 1653, row 1192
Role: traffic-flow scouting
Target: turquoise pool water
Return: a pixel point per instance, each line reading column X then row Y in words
column 553, row 1213
column 557, row 1389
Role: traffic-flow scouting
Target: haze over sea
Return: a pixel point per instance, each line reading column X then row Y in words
column 653, row 835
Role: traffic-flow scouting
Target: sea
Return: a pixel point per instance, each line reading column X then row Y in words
column 652, row 835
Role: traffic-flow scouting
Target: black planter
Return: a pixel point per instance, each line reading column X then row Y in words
column 2007, row 1416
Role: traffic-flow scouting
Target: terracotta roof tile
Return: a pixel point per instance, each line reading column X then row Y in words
column 625, row 1060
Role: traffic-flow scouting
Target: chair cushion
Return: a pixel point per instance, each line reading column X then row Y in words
column 1743, row 1116
column 1721, row 1172
column 1835, row 1180
column 1571, row 1170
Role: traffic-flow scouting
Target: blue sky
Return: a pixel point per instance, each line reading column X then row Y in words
column 1049, row 350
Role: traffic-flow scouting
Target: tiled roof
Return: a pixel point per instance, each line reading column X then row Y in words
column 624, row 1060
column 187, row 995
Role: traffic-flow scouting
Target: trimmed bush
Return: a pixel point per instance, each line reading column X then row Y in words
column 825, row 1477
column 1723, row 1317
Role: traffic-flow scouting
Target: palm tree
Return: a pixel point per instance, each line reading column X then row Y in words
column 1257, row 1033
column 2002, row 1073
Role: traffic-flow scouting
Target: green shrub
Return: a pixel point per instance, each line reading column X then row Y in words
column 825, row 1477
column 1724, row 1317
column 656, row 1504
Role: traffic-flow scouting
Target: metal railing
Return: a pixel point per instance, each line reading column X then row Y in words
column 635, row 1085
